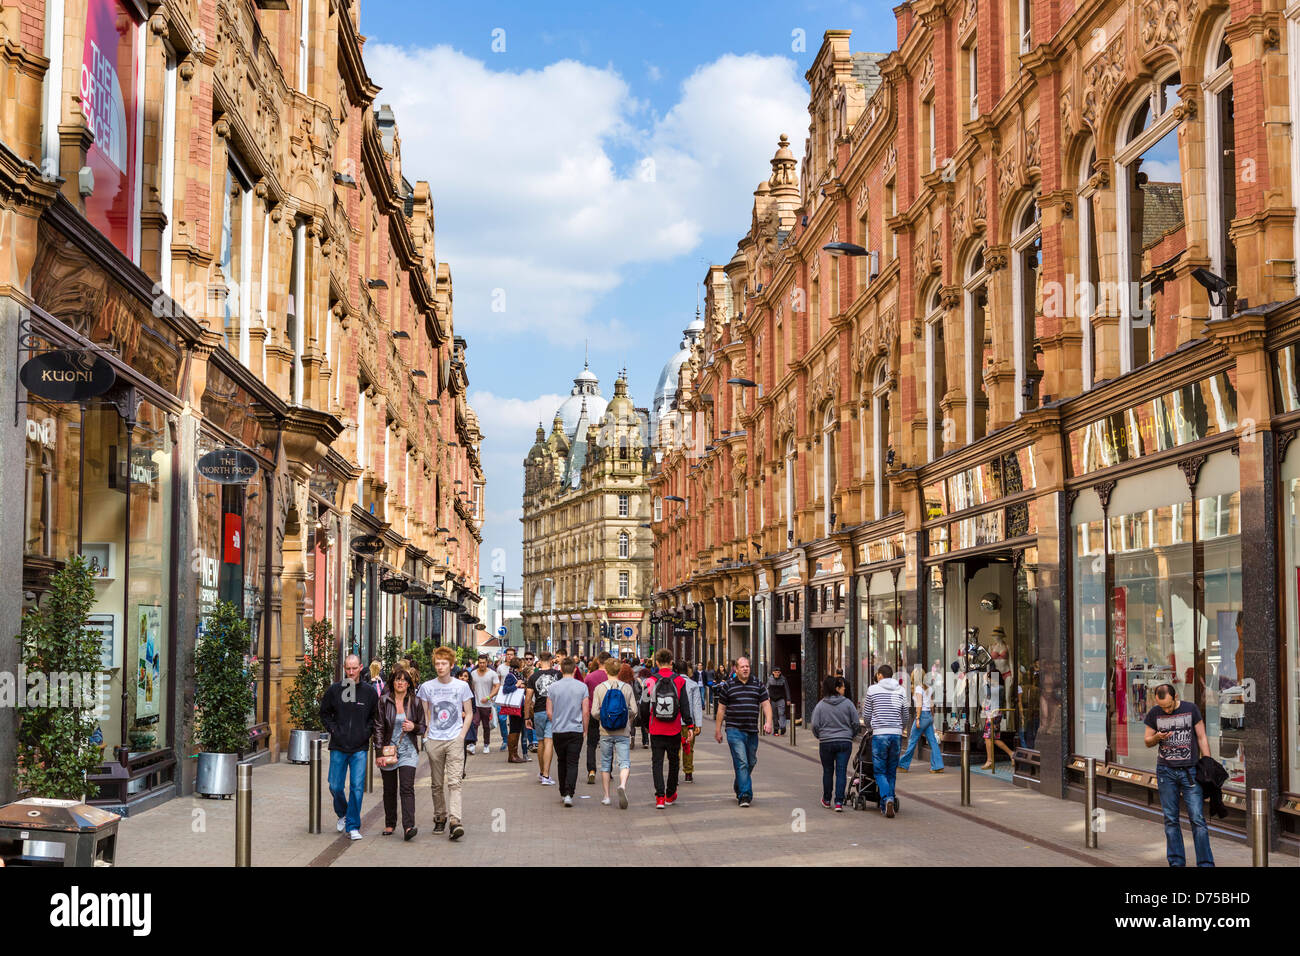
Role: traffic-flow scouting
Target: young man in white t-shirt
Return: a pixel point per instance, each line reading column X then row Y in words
column 450, row 703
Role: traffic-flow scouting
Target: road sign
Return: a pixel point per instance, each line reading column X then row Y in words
column 627, row 632
column 501, row 632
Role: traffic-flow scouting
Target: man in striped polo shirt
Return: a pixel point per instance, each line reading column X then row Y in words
column 884, row 711
column 740, row 701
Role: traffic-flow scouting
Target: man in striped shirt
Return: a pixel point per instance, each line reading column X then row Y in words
column 884, row 711
column 740, row 701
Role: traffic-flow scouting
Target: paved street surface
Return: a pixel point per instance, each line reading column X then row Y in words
column 509, row 818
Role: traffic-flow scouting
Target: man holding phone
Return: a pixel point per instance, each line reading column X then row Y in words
column 1178, row 730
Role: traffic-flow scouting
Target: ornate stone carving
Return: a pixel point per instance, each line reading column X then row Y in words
column 1104, row 489
column 860, row 205
column 891, row 158
column 886, row 330
column 995, row 258
column 1007, row 174
column 968, row 15
column 920, row 264
column 1165, row 23
column 1032, row 146
column 927, row 71
column 1100, row 77
column 936, row 247
column 950, row 296
column 1067, row 106
column 1191, row 468
column 979, row 212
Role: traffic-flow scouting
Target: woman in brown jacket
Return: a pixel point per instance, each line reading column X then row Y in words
column 398, row 723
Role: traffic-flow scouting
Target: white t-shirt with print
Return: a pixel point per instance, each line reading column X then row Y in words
column 446, row 706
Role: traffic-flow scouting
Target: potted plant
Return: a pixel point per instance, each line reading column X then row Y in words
column 55, row 746
column 309, row 686
column 55, row 751
column 223, row 695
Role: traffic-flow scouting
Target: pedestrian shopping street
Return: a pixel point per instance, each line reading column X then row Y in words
column 510, row 818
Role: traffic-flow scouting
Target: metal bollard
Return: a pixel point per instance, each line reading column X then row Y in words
column 313, row 787
column 794, row 737
column 1257, row 824
column 965, row 770
column 370, row 766
column 244, row 815
column 1090, row 803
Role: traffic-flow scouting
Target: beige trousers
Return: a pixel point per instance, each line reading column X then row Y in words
column 446, row 763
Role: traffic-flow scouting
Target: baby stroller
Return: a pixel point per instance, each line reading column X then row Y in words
column 863, row 794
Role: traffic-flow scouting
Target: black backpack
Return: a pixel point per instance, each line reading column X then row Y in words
column 663, row 700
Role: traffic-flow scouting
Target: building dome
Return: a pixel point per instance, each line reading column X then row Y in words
column 666, row 390
column 586, row 389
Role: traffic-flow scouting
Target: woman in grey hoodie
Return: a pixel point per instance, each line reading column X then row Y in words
column 835, row 723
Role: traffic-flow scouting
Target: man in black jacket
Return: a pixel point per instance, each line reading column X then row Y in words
column 347, row 710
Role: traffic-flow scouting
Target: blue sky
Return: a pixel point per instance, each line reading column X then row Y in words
column 583, row 179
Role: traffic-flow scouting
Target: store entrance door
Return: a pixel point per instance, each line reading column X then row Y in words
column 785, row 654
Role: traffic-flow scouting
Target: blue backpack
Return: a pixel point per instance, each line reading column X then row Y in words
column 613, row 709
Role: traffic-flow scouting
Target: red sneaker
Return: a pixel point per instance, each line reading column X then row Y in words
column 659, row 803
column 671, row 799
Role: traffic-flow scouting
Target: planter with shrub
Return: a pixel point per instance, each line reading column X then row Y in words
column 309, row 686
column 223, row 696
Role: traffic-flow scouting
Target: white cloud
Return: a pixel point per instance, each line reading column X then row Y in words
column 535, row 194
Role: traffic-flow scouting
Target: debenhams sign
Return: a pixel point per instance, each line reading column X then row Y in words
column 65, row 375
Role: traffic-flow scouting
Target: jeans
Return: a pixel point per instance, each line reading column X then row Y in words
column 835, row 760
column 925, row 729
column 1179, row 783
column 567, row 748
column 665, row 745
column 744, row 757
column 483, row 718
column 347, row 804
column 593, row 740
column 615, row 747
column 884, row 758
column 503, row 725
column 541, row 725
column 779, row 714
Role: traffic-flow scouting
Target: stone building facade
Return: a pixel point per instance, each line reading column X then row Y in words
column 1012, row 349
column 587, row 550
column 204, row 196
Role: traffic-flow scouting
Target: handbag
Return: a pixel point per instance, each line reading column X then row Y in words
column 388, row 756
column 512, row 704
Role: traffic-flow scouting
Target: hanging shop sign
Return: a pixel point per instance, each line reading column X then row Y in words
column 740, row 612
column 367, row 544
column 65, row 375
column 393, row 585
column 227, row 466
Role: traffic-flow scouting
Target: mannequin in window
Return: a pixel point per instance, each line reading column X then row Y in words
column 1000, row 654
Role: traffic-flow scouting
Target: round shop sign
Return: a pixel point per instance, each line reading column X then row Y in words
column 367, row 544
column 227, row 466
column 65, row 375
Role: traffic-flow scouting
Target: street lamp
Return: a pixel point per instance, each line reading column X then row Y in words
column 550, row 641
column 501, row 621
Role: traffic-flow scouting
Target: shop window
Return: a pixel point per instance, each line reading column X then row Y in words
column 979, row 348
column 1291, row 577
column 1224, row 631
column 1151, row 223
column 52, row 479
column 1027, row 302
column 936, row 666
column 1022, row 681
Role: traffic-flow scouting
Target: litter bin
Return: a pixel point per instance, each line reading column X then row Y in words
column 39, row 832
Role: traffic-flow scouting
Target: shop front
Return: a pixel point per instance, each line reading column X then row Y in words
column 1157, row 590
column 788, row 628
column 828, row 619
column 980, row 657
column 881, row 632
column 760, row 626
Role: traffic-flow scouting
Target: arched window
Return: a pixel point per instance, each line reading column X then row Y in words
column 1089, row 268
column 936, row 377
column 1027, row 303
column 882, row 452
column 789, row 489
column 979, row 347
column 828, row 469
column 623, row 548
column 1221, row 183
column 1150, row 219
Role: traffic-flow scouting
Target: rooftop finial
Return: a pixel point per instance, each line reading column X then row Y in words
column 585, row 350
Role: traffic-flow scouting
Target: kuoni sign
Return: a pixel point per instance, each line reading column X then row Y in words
column 67, row 375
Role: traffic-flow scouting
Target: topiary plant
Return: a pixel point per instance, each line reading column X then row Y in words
column 390, row 651
column 223, row 692
column 55, row 752
column 313, row 678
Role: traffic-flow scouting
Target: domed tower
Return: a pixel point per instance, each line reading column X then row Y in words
column 665, row 395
